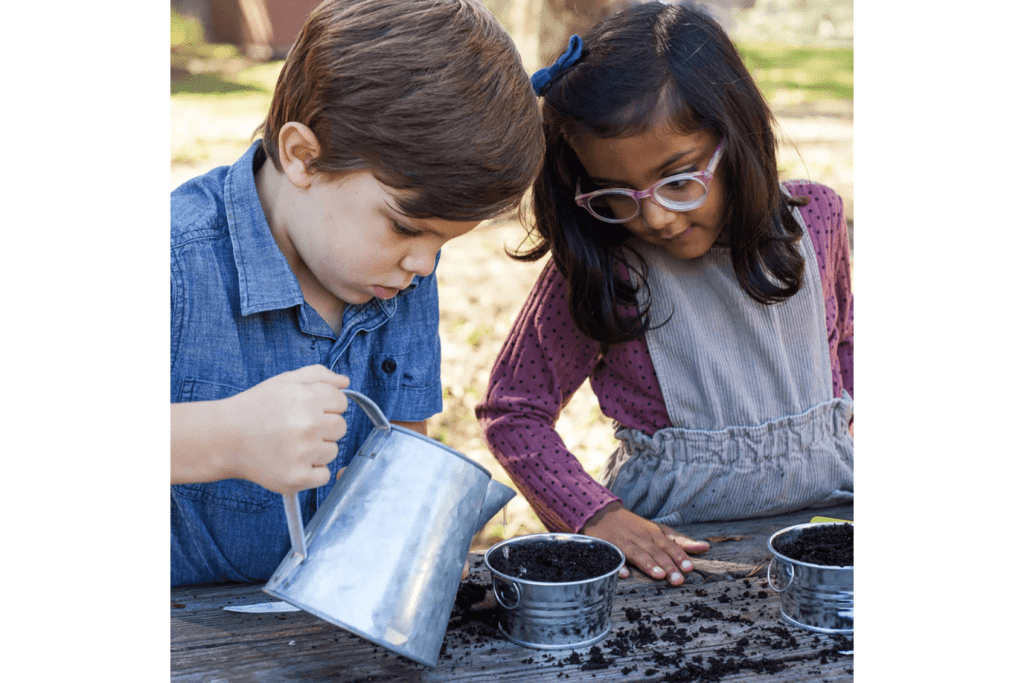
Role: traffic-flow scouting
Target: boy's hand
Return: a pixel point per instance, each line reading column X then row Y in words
column 656, row 549
column 286, row 428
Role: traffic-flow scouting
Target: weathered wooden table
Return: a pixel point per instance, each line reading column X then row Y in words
column 722, row 624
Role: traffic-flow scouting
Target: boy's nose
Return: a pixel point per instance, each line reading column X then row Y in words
column 419, row 262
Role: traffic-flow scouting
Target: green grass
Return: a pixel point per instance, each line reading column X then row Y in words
column 819, row 73
column 258, row 79
column 185, row 29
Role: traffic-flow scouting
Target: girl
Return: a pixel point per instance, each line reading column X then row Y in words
column 708, row 304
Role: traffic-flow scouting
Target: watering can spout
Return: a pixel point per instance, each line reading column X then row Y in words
column 498, row 495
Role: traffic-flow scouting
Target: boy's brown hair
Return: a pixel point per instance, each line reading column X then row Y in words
column 429, row 95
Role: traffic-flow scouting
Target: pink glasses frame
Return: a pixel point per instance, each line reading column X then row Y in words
column 703, row 177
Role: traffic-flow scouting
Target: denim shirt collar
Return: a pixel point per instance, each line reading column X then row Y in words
column 265, row 280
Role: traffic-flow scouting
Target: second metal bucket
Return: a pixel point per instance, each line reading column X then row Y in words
column 554, row 616
column 812, row 596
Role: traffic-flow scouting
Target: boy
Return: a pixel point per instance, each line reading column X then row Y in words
column 307, row 266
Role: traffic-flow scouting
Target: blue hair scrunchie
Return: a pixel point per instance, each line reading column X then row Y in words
column 542, row 78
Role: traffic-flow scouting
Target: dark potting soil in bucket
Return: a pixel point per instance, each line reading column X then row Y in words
column 812, row 570
column 828, row 544
column 555, row 562
column 555, row 590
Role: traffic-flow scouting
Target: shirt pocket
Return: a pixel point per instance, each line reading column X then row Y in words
column 408, row 370
column 230, row 494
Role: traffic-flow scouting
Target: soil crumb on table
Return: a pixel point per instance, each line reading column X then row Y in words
column 554, row 561
column 828, row 544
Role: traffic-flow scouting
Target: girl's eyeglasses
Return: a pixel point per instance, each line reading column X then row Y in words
column 681, row 192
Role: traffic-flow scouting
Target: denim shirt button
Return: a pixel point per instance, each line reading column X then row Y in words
column 389, row 365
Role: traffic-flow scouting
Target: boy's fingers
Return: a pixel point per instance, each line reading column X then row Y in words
column 324, row 455
column 311, row 478
column 328, row 395
column 320, row 373
column 334, row 427
column 321, row 477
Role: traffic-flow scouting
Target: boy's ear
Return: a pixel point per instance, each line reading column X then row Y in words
column 297, row 146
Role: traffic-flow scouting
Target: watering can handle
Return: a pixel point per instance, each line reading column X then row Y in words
column 291, row 501
column 371, row 409
column 295, row 530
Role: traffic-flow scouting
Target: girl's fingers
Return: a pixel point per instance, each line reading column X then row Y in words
column 666, row 557
column 688, row 544
column 656, row 564
column 692, row 547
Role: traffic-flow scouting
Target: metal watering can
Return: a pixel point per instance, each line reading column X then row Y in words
column 383, row 556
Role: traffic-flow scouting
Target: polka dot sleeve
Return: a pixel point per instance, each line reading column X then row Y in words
column 542, row 363
column 826, row 223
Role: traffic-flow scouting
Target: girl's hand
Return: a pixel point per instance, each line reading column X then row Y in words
column 286, row 429
column 656, row 549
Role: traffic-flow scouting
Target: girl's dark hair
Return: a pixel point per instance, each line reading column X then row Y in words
column 638, row 65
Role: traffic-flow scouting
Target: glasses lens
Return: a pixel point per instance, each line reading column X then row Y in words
column 612, row 206
column 681, row 193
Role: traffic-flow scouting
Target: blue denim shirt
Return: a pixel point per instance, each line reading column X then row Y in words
column 238, row 317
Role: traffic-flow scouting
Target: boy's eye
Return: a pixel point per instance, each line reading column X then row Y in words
column 403, row 230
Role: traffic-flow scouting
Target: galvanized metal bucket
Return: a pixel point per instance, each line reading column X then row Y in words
column 812, row 596
column 554, row 616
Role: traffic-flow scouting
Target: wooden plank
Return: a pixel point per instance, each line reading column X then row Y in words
column 748, row 538
column 659, row 633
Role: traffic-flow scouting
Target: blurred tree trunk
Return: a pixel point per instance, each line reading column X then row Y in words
column 245, row 23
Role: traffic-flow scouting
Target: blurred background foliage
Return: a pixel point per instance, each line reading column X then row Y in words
column 799, row 51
